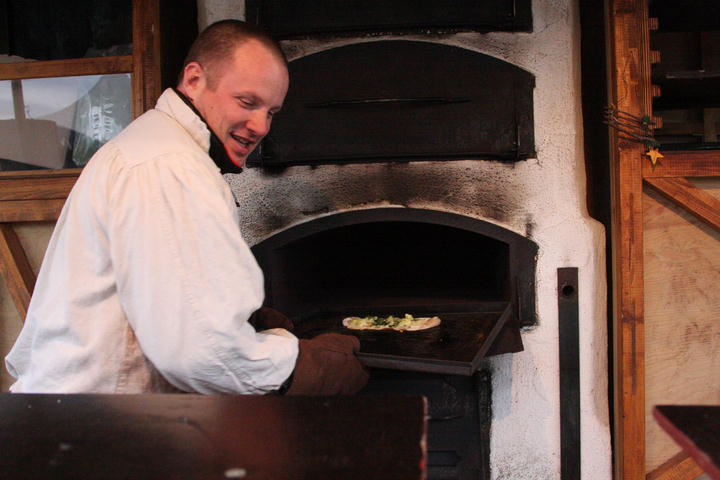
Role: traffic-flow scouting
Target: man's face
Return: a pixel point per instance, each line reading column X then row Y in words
column 249, row 90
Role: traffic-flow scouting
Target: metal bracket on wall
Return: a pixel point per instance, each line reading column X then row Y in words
column 569, row 353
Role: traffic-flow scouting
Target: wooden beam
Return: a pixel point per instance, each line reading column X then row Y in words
column 40, row 173
column 679, row 467
column 693, row 199
column 31, row 210
column 146, row 80
column 15, row 269
column 33, row 196
column 684, row 164
column 66, row 68
column 629, row 91
column 51, row 184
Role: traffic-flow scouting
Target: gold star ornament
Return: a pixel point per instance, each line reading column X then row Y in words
column 654, row 154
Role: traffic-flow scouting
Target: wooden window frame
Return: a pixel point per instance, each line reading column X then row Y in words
column 39, row 195
column 31, row 195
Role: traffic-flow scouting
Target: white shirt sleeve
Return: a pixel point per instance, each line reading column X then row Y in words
column 188, row 282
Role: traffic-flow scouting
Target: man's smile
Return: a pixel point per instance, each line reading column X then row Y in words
column 244, row 142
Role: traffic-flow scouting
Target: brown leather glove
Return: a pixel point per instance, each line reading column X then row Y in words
column 327, row 365
column 266, row 318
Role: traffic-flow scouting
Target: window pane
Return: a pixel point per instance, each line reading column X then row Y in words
column 47, row 30
column 60, row 122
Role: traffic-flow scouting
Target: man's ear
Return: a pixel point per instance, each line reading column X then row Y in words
column 194, row 79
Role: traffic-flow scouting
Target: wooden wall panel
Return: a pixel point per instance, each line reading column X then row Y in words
column 33, row 237
column 682, row 312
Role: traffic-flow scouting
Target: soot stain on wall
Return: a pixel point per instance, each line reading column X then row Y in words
column 464, row 187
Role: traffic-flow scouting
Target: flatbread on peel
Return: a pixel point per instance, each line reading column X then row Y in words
column 406, row 323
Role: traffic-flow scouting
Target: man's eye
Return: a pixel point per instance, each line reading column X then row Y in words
column 247, row 103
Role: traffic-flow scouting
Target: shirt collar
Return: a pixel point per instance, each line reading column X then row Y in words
column 189, row 117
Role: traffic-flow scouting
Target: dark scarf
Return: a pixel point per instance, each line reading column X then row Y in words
column 217, row 150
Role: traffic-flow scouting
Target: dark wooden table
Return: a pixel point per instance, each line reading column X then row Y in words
column 211, row 437
column 696, row 428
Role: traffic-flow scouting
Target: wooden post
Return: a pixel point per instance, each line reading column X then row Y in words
column 629, row 91
column 146, row 77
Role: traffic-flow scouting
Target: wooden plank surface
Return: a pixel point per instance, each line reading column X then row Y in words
column 66, row 68
column 696, row 428
column 695, row 200
column 679, row 467
column 685, row 164
column 15, row 269
column 628, row 48
column 212, row 436
column 682, row 307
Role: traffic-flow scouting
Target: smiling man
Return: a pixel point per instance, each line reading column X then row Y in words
column 147, row 284
column 236, row 90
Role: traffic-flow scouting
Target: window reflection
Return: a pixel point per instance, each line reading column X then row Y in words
column 60, row 122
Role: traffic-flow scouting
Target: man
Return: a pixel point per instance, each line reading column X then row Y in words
column 147, row 284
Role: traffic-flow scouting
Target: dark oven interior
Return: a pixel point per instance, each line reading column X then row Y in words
column 386, row 265
column 392, row 261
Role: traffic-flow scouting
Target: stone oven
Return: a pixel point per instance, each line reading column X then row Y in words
column 389, row 186
column 479, row 278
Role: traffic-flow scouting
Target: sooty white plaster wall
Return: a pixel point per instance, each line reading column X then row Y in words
column 542, row 198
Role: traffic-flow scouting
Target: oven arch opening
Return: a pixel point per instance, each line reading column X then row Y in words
column 406, row 260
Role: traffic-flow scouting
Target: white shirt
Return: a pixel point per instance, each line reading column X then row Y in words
column 147, row 283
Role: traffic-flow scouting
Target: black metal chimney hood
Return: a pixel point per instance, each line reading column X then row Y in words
column 399, row 100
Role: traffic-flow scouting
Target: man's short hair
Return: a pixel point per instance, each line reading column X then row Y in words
column 217, row 43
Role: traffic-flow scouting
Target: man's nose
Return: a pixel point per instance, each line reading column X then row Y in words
column 259, row 123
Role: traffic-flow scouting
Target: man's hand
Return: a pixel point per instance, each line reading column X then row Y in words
column 327, row 365
column 266, row 318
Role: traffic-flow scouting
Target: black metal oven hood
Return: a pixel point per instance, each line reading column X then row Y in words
column 398, row 100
